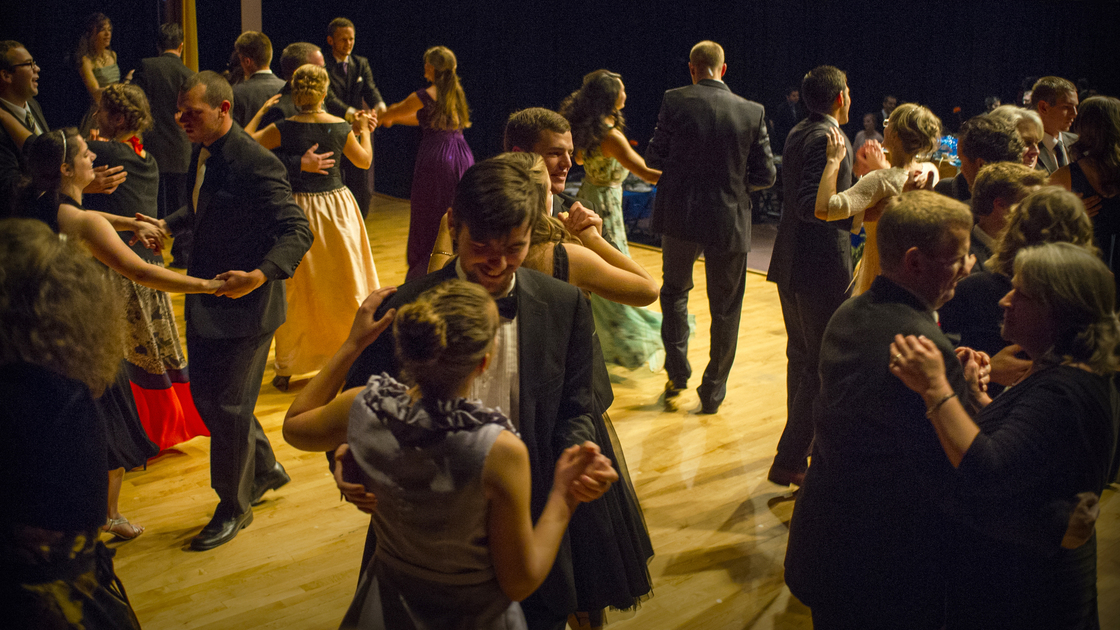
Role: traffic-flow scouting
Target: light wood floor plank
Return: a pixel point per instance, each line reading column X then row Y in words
column 718, row 527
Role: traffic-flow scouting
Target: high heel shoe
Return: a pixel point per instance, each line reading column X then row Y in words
column 121, row 528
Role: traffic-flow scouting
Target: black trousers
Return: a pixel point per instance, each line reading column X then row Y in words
column 225, row 382
column 727, row 281
column 806, row 315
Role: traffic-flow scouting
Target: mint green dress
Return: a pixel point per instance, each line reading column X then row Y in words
column 630, row 336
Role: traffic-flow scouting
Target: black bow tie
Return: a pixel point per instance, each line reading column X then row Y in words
column 507, row 306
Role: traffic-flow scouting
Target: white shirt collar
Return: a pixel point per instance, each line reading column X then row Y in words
column 832, row 120
column 1050, row 141
column 265, row 71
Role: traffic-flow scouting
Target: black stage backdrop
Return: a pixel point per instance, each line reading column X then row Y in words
column 512, row 55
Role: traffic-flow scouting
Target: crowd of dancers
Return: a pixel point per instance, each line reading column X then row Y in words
column 954, row 393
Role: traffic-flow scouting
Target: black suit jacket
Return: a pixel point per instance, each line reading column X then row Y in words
column 352, row 88
column 869, row 517
column 713, row 149
column 785, row 116
column 250, row 95
column 12, row 163
column 810, row 254
column 554, row 374
column 245, row 220
column 160, row 78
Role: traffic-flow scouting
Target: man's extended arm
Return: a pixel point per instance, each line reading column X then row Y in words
column 658, row 148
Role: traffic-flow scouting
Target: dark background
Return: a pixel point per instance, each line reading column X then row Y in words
column 519, row 54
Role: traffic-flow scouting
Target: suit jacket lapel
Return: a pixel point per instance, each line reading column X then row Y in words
column 37, row 113
column 1046, row 158
column 532, row 312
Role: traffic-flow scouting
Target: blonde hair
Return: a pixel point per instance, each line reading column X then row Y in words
column 58, row 308
column 1009, row 181
column 1079, row 292
column 128, row 101
column 309, row 86
column 443, row 336
column 707, row 54
column 451, row 109
column 1048, row 215
column 919, row 219
column 916, row 127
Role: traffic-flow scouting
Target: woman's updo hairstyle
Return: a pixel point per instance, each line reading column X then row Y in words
column 309, row 86
column 917, row 128
column 128, row 101
column 444, row 335
column 46, row 153
column 1079, row 292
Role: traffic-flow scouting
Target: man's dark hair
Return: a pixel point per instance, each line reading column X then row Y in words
column 295, row 55
column 337, row 23
column 821, row 86
column 254, row 45
column 6, row 46
column 1050, row 89
column 992, row 140
column 495, row 197
column 524, row 128
column 217, row 88
column 170, row 36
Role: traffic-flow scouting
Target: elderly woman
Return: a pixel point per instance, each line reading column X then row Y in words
column 1029, row 125
column 1025, row 458
column 60, row 346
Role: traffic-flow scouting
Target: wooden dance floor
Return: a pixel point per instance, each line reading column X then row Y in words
column 719, row 528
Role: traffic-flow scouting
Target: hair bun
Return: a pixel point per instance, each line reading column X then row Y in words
column 421, row 333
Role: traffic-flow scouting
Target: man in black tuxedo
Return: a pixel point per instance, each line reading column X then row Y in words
column 868, row 531
column 542, row 373
column 714, row 150
column 250, row 233
column 812, row 260
column 1055, row 100
column 255, row 51
column 352, row 85
column 19, row 83
column 785, row 116
column 160, row 78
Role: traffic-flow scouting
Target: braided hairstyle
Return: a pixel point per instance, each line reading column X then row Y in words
column 129, row 103
column 309, row 86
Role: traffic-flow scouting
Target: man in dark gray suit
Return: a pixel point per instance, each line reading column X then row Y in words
column 714, row 150
column 160, row 78
column 1055, row 100
column 812, row 260
column 250, row 233
column 353, row 89
column 255, row 50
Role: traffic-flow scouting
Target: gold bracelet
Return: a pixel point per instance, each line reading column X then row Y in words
column 937, row 407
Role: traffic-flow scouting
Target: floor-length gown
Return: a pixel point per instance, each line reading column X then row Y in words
column 441, row 160
column 338, row 272
column 630, row 336
column 155, row 363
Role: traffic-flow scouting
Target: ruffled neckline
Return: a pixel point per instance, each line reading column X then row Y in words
column 416, row 423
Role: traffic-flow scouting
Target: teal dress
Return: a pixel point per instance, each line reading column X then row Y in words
column 630, row 336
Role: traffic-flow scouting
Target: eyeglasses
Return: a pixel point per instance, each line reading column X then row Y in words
column 26, row 63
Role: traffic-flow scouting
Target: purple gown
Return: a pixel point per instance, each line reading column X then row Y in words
column 441, row 160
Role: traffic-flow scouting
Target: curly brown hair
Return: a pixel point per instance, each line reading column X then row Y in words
column 1048, row 215
column 588, row 108
column 129, row 103
column 58, row 308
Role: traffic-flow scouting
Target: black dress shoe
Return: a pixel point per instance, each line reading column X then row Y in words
column 674, row 388
column 271, row 480
column 784, row 476
column 709, row 409
column 221, row 529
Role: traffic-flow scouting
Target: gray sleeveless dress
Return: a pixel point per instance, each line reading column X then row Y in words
column 432, row 566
